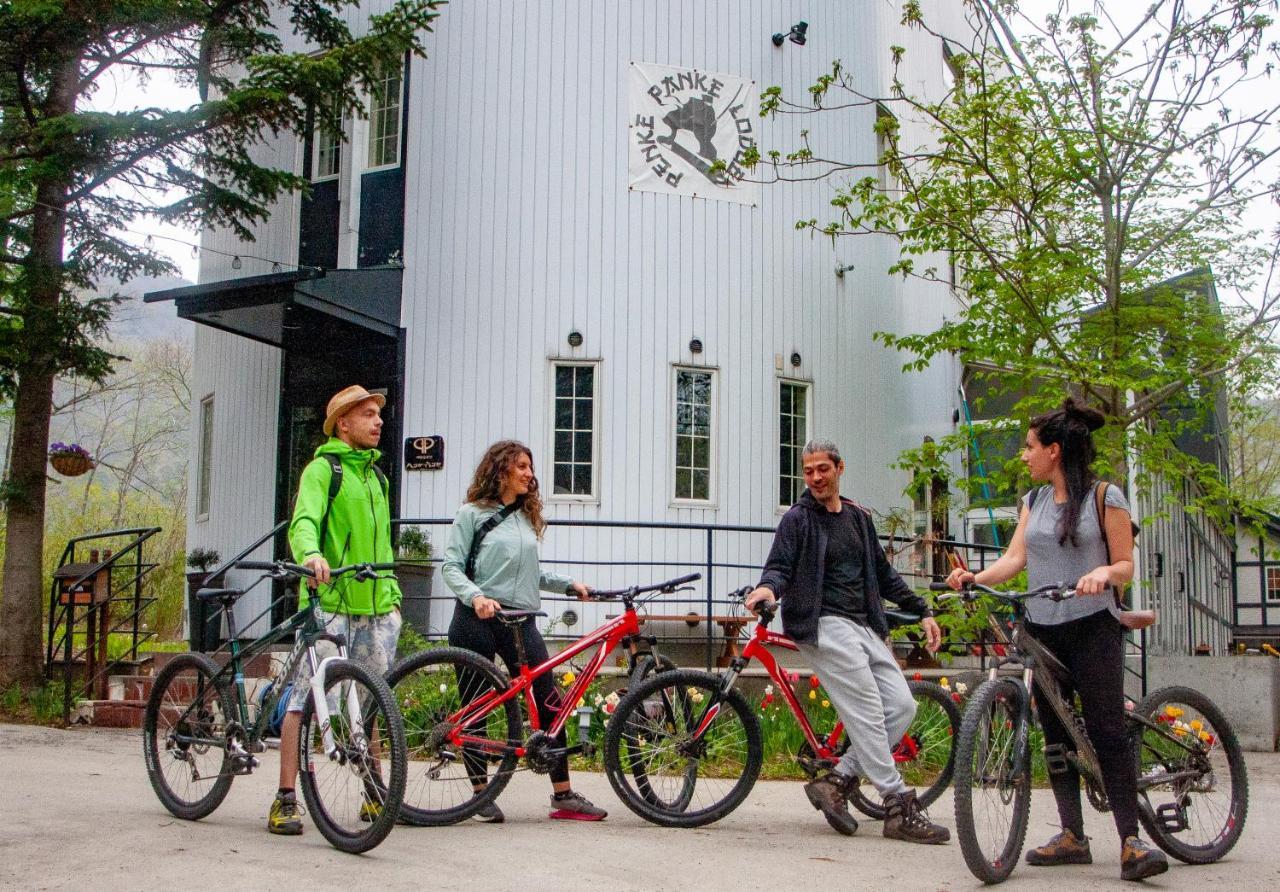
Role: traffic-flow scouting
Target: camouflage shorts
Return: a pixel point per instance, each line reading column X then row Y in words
column 371, row 640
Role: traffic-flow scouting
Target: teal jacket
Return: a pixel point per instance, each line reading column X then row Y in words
column 358, row 531
column 507, row 567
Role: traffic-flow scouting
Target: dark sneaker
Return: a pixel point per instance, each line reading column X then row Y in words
column 830, row 795
column 1065, row 848
column 905, row 819
column 489, row 814
column 1139, row 861
column 575, row 807
column 285, row 817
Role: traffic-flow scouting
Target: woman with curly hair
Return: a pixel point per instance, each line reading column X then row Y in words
column 504, row 511
column 1060, row 537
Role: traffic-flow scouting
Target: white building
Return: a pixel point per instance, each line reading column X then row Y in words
column 509, row 232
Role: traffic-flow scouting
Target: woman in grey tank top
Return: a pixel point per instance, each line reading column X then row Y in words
column 1060, row 538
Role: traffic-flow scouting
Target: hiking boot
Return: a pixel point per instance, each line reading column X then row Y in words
column 1065, row 848
column 830, row 795
column 573, row 806
column 905, row 819
column 489, row 814
column 1139, row 861
column 285, row 817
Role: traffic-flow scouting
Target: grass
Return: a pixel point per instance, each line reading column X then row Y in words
column 41, row 705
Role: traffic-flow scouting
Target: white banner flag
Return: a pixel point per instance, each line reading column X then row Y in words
column 683, row 121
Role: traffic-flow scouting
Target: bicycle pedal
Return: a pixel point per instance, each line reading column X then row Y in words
column 1056, row 759
column 1172, row 817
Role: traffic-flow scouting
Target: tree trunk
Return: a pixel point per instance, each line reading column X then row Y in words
column 22, row 584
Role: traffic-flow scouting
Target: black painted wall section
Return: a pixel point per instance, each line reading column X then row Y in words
column 382, row 217
column 318, row 229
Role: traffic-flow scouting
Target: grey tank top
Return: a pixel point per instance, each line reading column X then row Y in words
column 1048, row 562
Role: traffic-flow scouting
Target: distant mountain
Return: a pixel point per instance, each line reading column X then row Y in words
column 135, row 320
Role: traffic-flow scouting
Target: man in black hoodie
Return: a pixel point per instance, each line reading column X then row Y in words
column 827, row 567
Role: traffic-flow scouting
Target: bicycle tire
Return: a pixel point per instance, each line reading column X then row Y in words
column 989, row 735
column 355, row 798
column 186, row 684
column 933, row 730
column 646, row 665
column 660, row 783
column 1225, row 819
column 426, row 686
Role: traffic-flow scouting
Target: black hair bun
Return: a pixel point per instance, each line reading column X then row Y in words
column 1090, row 418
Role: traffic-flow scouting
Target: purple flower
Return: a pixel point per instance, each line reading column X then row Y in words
column 68, row 449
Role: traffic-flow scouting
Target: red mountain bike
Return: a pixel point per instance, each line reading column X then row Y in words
column 684, row 747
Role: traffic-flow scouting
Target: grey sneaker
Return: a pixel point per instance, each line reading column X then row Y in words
column 489, row 814
column 830, row 795
column 575, row 807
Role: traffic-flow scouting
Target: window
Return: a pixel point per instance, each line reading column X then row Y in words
column 573, row 452
column 793, row 433
column 328, row 153
column 205, row 467
column 384, row 120
column 693, row 435
column 1273, row 584
column 952, row 68
column 886, row 130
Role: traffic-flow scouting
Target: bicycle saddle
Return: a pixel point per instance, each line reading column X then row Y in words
column 219, row 594
column 511, row 617
column 1133, row 620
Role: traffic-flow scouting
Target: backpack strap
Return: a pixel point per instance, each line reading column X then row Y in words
column 1100, row 498
column 335, row 484
column 484, row 529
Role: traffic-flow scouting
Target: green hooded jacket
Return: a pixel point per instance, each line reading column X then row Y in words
column 359, row 529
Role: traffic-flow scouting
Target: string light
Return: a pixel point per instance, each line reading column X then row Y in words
column 236, row 263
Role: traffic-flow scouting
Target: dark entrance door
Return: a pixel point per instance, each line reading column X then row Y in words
column 322, row 355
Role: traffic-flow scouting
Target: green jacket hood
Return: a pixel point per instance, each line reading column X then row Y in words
column 344, row 450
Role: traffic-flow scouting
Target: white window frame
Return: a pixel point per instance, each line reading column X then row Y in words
column 682, row 501
column 888, row 182
column 549, row 492
column 1272, row 595
column 204, row 461
column 375, row 110
column 807, row 387
column 318, row 136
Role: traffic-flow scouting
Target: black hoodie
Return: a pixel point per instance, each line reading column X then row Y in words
column 797, row 561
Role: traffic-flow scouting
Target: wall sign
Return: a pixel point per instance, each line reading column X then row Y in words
column 424, row 453
column 682, row 122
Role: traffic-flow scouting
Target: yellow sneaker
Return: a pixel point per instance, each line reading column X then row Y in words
column 369, row 811
column 285, row 817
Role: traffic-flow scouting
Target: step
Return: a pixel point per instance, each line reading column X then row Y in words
column 109, row 713
column 260, row 664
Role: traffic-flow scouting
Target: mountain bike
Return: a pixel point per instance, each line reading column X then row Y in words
column 1193, row 791
column 199, row 733
column 462, row 716
column 684, row 748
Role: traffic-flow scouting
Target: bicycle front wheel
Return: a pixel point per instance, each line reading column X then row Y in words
column 184, row 737
column 993, row 780
column 353, row 789
column 925, row 755
column 457, row 765
column 680, row 752
column 1193, row 790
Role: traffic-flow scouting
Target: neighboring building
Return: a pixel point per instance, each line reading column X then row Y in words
column 525, row 239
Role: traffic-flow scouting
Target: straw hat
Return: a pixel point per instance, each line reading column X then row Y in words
column 345, row 400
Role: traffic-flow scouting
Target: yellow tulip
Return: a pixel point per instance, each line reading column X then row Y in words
column 943, row 681
column 1196, row 724
column 567, row 679
column 813, row 695
column 826, row 704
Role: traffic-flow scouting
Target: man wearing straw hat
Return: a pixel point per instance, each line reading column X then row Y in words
column 341, row 517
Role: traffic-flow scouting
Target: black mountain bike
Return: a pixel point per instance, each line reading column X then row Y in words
column 199, row 732
column 1193, row 792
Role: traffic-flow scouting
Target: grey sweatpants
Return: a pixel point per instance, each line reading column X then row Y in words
column 870, row 695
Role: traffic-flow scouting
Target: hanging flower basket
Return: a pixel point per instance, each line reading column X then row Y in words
column 70, row 460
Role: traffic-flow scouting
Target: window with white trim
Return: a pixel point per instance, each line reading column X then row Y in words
column 1273, row 585
column 886, row 124
column 694, row 434
column 575, row 422
column 793, row 433
column 326, row 161
column 384, row 119
column 204, row 468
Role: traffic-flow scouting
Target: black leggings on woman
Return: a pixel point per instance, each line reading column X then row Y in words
column 490, row 637
column 1092, row 649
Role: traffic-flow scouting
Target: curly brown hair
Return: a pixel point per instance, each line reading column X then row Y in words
column 486, row 485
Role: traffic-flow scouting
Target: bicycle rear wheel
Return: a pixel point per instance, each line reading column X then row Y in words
column 1193, row 789
column 354, row 794
column 926, row 754
column 450, row 779
column 993, row 780
column 666, row 772
column 184, row 737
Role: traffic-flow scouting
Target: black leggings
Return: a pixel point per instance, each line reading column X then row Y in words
column 1092, row 649
column 490, row 637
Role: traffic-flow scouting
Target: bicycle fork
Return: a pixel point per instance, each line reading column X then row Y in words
column 321, row 702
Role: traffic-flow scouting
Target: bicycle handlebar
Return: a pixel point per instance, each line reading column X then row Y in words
column 1054, row 591
column 282, row 569
column 667, row 587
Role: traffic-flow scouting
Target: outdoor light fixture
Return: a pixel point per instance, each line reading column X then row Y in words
column 796, row 35
column 795, row 359
column 841, row 269
column 569, row 617
column 235, row 262
column 584, row 727
column 695, row 346
column 575, row 338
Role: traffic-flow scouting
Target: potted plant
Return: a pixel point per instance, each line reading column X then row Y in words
column 204, row 619
column 414, row 570
column 70, row 459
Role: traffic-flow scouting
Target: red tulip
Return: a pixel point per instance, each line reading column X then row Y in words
column 813, row 681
